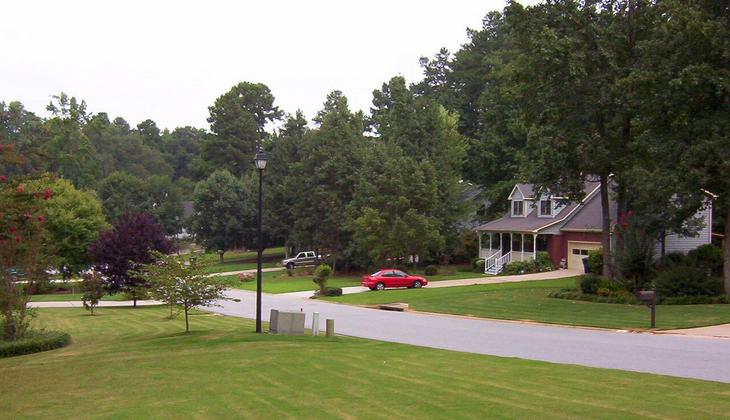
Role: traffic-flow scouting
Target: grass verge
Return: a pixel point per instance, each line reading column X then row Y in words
column 529, row 301
column 136, row 363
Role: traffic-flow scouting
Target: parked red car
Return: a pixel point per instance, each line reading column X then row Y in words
column 390, row 277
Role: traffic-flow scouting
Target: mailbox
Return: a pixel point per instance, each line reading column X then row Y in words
column 647, row 296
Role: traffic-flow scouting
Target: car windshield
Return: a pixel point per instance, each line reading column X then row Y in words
column 375, row 274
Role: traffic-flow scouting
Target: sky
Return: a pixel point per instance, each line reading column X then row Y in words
column 169, row 60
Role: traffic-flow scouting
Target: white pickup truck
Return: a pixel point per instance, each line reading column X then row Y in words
column 304, row 258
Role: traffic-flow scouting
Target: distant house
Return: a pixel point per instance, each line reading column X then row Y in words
column 188, row 212
column 538, row 221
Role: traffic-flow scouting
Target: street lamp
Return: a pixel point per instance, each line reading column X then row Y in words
column 260, row 161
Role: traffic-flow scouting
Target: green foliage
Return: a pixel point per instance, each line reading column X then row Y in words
column 539, row 264
column 687, row 281
column 34, row 342
column 595, row 261
column 184, row 283
column 93, row 290
column 74, row 219
column 478, row 265
column 591, row 283
column 707, row 257
column 431, row 270
column 621, row 297
column 320, row 276
column 238, row 118
column 634, row 260
column 225, row 211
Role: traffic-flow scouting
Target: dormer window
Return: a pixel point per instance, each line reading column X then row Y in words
column 518, row 208
column 546, row 207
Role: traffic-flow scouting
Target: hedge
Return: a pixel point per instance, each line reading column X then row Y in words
column 34, row 342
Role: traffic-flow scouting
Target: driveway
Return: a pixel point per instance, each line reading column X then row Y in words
column 674, row 355
column 548, row 275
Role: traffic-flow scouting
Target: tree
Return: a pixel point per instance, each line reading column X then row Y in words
column 238, row 119
column 23, row 252
column 682, row 79
column 124, row 248
column 163, row 201
column 150, row 134
column 120, row 194
column 324, row 178
column 426, row 132
column 391, row 212
column 182, row 149
column 74, row 219
column 225, row 212
column 176, row 282
column 320, row 276
column 70, row 149
column 93, row 290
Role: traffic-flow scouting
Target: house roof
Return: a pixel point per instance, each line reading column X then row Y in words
column 589, row 218
column 532, row 223
column 526, row 190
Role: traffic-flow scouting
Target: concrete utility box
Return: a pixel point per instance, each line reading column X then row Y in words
column 284, row 322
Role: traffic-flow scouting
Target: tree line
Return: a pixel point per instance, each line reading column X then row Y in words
column 631, row 94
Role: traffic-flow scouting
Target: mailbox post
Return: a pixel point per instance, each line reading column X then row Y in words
column 648, row 298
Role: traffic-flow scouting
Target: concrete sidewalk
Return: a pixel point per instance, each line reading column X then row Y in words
column 230, row 273
column 548, row 275
column 714, row 331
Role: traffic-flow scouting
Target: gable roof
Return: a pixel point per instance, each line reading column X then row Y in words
column 533, row 224
column 526, row 190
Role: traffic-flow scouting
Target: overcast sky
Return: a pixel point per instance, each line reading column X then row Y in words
column 169, row 60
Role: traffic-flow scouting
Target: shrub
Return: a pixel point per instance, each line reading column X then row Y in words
column 543, row 262
column 431, row 270
column 687, row 281
column 675, row 258
column 478, row 265
column 595, row 261
column 602, row 291
column 321, row 273
column 539, row 264
column 589, row 283
column 620, row 297
column 34, row 342
column 707, row 257
column 516, row 267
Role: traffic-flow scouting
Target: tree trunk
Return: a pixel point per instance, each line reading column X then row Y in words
column 220, row 257
column 187, row 325
column 726, row 252
column 606, row 227
column 134, row 299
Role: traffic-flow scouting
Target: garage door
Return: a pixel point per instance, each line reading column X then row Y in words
column 579, row 250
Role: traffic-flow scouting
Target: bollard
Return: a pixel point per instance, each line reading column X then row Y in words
column 315, row 324
column 330, row 328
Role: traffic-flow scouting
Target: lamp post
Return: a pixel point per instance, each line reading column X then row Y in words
column 260, row 161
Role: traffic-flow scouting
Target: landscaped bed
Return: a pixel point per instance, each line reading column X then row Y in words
column 135, row 363
column 530, row 301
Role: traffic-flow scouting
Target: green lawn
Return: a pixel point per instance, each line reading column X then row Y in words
column 529, row 301
column 280, row 282
column 232, row 260
column 234, row 266
column 135, row 363
column 67, row 297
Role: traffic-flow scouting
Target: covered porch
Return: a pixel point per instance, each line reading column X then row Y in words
column 500, row 248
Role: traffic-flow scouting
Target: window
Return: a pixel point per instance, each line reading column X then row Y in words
column 399, row 273
column 518, row 208
column 577, row 251
column 546, row 207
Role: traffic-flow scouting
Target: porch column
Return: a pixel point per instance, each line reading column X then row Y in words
column 534, row 246
column 490, row 244
column 522, row 245
column 511, row 243
column 501, row 251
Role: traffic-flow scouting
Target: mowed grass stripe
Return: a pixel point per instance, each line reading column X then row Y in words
column 142, row 365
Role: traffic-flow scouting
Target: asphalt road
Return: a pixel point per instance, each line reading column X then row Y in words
column 691, row 357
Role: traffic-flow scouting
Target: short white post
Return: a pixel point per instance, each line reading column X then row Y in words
column 315, row 324
column 479, row 235
column 534, row 246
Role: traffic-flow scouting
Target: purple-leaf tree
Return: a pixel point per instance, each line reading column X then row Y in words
column 125, row 248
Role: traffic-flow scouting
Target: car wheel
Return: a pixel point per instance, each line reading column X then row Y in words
column 290, row 266
column 417, row 284
column 380, row 286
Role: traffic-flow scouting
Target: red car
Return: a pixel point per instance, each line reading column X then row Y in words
column 390, row 277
